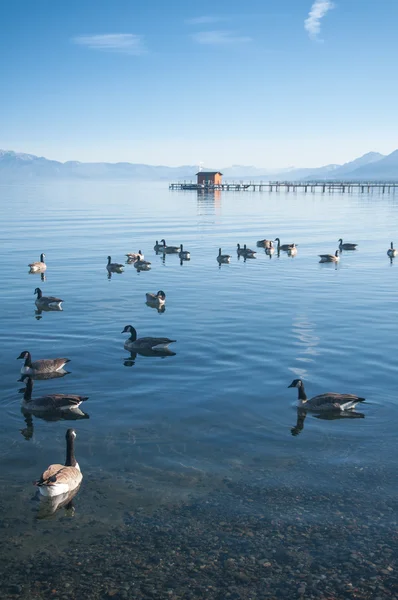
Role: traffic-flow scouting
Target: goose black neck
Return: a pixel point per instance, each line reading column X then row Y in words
column 133, row 334
column 301, row 392
column 27, row 396
column 41, row 257
column 39, row 293
column 28, row 360
column 70, row 452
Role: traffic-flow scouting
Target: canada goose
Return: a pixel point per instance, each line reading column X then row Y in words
column 246, row 252
column 265, row 244
column 347, row 246
column 223, row 258
column 50, row 402
column 169, row 249
column 39, row 266
column 149, row 343
column 132, row 256
column 156, row 299
column 114, row 267
column 60, row 479
column 142, row 265
column 158, row 247
column 284, row 247
column 269, row 251
column 47, row 302
column 392, row 251
column 184, row 254
column 43, row 365
column 293, row 250
column 328, row 401
column 329, row 257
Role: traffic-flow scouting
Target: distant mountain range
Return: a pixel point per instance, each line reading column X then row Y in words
column 15, row 166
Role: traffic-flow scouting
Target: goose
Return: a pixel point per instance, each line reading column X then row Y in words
column 293, row 250
column 50, row 402
column 329, row 401
column 158, row 247
column 284, row 247
column 60, row 479
column 223, row 258
column 132, row 256
column 114, row 267
column 392, row 251
column 265, row 243
column 43, row 365
column 47, row 302
column 246, row 252
column 347, row 246
column 184, row 254
column 329, row 257
column 169, row 249
column 156, row 299
column 147, row 343
column 269, row 251
column 142, row 265
column 39, row 266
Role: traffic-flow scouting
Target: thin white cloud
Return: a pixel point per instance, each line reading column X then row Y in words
column 312, row 24
column 126, row 43
column 219, row 38
column 204, row 20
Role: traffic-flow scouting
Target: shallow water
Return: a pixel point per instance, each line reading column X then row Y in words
column 164, row 430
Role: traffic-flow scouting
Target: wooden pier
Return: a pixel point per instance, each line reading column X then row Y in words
column 291, row 186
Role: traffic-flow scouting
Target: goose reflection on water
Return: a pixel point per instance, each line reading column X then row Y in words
column 130, row 362
column 72, row 415
column 42, row 376
column 48, row 505
column 327, row 416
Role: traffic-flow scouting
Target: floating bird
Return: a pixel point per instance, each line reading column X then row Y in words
column 329, row 257
column 184, row 254
column 43, row 365
column 39, row 266
column 330, row 401
column 347, row 246
column 223, row 258
column 156, row 299
column 132, row 256
column 245, row 252
column 47, row 302
column 284, row 247
column 392, row 252
column 293, row 250
column 114, row 267
column 149, row 343
column 50, row 402
column 158, row 247
column 169, row 249
column 142, row 265
column 265, row 244
column 61, row 479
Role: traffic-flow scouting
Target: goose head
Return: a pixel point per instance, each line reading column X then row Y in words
column 163, row 242
column 161, row 295
column 24, row 354
column 42, row 257
column 238, row 246
column 297, row 383
column 130, row 329
column 341, row 241
column 109, row 260
column 38, row 292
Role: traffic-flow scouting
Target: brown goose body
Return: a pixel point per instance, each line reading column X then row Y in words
column 39, row 266
column 50, row 402
column 43, row 365
column 60, row 479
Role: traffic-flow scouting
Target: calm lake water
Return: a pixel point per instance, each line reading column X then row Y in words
column 164, row 432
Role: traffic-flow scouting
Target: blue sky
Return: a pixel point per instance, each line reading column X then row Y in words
column 258, row 82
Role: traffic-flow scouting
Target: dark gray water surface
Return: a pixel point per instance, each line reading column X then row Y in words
column 164, row 432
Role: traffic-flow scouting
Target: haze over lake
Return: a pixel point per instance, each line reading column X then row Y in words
column 173, row 431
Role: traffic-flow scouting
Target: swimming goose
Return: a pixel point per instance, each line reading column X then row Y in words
column 184, row 254
column 60, row 479
column 149, row 343
column 293, row 250
column 43, row 365
column 329, row 257
column 156, row 299
column 132, row 256
column 329, row 401
column 392, row 251
column 50, row 402
column 142, row 265
column 265, row 243
column 284, row 247
column 347, row 246
column 158, row 247
column 114, row 267
column 39, row 266
column 246, row 252
column 169, row 249
column 223, row 258
column 50, row 302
